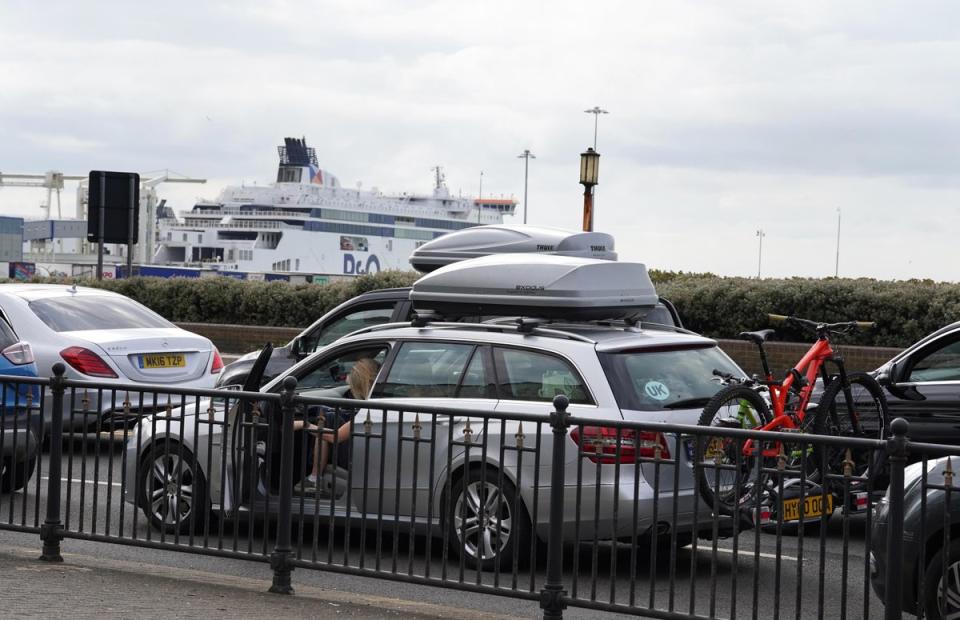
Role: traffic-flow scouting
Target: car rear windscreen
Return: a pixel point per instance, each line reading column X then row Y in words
column 667, row 378
column 68, row 314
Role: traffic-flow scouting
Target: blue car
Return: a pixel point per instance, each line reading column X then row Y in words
column 21, row 421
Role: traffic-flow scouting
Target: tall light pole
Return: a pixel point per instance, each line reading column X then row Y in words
column 526, row 155
column 589, row 176
column 596, row 111
column 760, row 235
column 480, row 199
column 836, row 268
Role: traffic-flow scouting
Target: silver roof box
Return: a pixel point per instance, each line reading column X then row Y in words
column 536, row 285
column 500, row 239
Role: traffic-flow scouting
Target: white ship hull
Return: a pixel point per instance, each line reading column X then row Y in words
column 305, row 223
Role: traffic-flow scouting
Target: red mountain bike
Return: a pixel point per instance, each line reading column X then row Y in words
column 852, row 405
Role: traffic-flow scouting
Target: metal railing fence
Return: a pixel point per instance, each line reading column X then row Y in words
column 567, row 510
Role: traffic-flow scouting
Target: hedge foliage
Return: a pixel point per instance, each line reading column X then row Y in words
column 719, row 307
column 904, row 311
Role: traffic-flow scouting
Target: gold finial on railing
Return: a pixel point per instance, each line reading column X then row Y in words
column 657, row 449
column 169, row 412
column 417, row 427
column 29, row 398
column 126, row 405
column 85, row 401
column 948, row 473
column 848, row 464
column 519, row 436
column 367, row 424
column 255, row 410
column 211, row 412
column 468, row 432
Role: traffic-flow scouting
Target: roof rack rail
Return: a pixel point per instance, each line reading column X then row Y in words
column 528, row 327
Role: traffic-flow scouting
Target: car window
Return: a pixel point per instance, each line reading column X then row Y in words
column 941, row 364
column 425, row 370
column 656, row 379
column 81, row 313
column 332, row 372
column 532, row 376
column 346, row 323
column 7, row 337
column 476, row 383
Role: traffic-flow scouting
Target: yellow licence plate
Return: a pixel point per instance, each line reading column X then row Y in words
column 166, row 360
column 812, row 507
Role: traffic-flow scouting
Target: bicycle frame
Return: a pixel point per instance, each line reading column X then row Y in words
column 810, row 367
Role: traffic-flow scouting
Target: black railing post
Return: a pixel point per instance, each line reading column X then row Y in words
column 897, row 448
column 51, row 532
column 282, row 553
column 552, row 593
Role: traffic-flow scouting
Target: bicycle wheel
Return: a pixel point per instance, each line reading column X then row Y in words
column 836, row 415
column 725, row 476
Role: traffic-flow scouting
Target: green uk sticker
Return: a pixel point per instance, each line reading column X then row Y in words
column 656, row 390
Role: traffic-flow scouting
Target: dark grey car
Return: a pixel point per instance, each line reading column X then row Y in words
column 931, row 537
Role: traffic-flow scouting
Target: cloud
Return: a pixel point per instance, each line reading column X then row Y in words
column 724, row 117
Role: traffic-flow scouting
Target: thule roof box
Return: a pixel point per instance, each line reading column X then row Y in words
column 533, row 285
column 499, row 239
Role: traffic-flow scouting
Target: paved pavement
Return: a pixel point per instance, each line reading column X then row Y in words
column 85, row 586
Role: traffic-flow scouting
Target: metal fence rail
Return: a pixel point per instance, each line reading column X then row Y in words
column 561, row 509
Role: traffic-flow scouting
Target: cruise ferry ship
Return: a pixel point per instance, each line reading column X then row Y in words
column 307, row 222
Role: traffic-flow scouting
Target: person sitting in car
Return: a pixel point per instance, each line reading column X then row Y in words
column 334, row 434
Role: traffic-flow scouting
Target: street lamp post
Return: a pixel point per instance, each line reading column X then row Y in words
column 480, row 198
column 526, row 156
column 760, row 235
column 589, row 169
column 836, row 268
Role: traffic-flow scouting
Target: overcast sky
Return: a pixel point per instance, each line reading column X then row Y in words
column 724, row 117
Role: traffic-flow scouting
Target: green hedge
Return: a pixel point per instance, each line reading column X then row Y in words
column 904, row 311
column 715, row 306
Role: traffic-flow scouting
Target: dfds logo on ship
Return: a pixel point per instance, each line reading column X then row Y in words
column 353, row 265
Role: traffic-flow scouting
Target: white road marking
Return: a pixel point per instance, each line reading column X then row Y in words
column 101, row 482
column 748, row 553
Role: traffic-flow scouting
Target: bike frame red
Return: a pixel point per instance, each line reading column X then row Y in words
column 809, row 367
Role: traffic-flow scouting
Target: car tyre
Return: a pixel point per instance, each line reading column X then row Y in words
column 932, row 584
column 490, row 543
column 15, row 478
column 733, row 407
column 173, row 491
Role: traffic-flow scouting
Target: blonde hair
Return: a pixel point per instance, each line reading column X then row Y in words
column 361, row 377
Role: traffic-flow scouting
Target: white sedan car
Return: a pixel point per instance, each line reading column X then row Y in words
column 105, row 337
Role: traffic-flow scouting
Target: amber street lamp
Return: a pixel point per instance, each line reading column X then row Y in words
column 589, row 168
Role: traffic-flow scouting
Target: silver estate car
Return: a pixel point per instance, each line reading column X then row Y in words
column 461, row 468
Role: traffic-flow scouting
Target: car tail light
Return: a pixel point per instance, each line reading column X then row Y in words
column 217, row 364
column 18, row 354
column 87, row 362
column 605, row 444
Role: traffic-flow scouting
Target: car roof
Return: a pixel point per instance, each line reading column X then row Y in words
column 551, row 336
column 30, row 291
